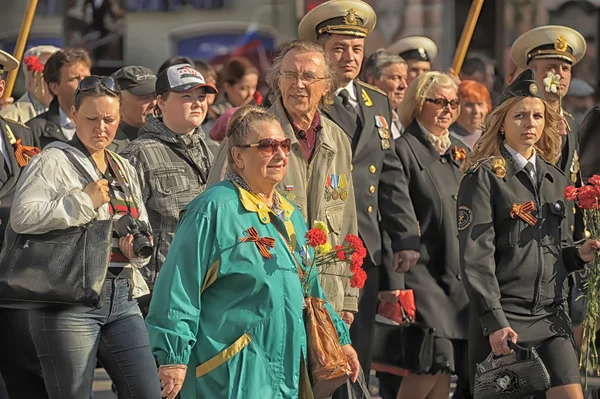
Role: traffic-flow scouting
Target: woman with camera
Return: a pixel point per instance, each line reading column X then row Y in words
column 514, row 252
column 52, row 195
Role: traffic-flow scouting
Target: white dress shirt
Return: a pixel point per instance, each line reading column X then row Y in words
column 522, row 161
column 66, row 124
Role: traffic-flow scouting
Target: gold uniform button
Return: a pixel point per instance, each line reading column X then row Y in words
column 372, row 189
column 370, row 209
column 372, row 169
column 574, row 210
column 572, row 228
column 351, row 167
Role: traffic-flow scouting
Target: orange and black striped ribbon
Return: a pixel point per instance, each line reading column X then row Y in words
column 24, row 153
column 459, row 154
column 522, row 211
column 263, row 243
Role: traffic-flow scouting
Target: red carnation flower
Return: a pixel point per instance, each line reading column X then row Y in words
column 341, row 255
column 587, row 197
column 358, row 280
column 356, row 263
column 595, row 180
column 316, row 237
column 571, row 193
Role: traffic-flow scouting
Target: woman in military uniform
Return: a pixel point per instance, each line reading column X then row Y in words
column 431, row 160
column 513, row 239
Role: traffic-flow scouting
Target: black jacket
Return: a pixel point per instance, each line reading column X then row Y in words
column 433, row 182
column 508, row 265
column 379, row 186
column 7, row 189
column 46, row 127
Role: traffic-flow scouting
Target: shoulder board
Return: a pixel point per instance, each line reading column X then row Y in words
column 15, row 122
column 473, row 168
column 368, row 86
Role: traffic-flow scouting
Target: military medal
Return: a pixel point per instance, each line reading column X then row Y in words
column 384, row 131
column 334, row 184
column 291, row 195
column 574, row 169
column 327, row 194
column 343, row 185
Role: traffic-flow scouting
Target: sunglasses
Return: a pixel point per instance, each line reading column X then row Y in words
column 443, row 103
column 268, row 147
column 93, row 82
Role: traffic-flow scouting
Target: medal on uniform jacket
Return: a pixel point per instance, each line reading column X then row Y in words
column 334, row 184
column 326, row 193
column 343, row 185
column 384, row 131
column 459, row 154
column 290, row 194
column 574, row 168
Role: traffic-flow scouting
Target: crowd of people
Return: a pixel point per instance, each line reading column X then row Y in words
column 222, row 182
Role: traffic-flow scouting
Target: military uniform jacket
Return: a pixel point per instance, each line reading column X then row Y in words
column 46, row 127
column 305, row 184
column 569, row 164
column 379, row 185
column 7, row 189
column 433, row 182
column 509, row 266
column 589, row 144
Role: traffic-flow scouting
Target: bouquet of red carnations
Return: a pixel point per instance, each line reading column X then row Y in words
column 351, row 252
column 587, row 198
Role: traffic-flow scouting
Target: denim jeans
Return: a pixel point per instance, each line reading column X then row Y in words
column 69, row 343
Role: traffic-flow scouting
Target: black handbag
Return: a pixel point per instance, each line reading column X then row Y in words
column 516, row 376
column 60, row 268
column 407, row 346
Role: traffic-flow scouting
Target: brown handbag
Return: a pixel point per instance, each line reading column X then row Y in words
column 327, row 363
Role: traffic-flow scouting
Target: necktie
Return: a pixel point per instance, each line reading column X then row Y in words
column 531, row 173
column 345, row 95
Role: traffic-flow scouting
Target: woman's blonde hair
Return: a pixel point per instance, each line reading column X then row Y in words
column 242, row 122
column 421, row 89
column 489, row 144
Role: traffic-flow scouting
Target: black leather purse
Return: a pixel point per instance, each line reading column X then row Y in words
column 61, row 268
column 408, row 346
column 516, row 376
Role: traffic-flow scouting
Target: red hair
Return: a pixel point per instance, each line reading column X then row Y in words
column 473, row 91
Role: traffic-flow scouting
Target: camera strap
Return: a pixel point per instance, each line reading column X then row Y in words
column 117, row 171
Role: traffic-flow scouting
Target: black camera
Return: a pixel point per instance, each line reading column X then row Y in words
column 127, row 224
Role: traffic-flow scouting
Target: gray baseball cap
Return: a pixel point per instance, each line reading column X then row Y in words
column 181, row 78
column 138, row 80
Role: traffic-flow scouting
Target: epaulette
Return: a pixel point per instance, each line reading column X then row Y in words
column 368, row 86
column 15, row 122
column 477, row 164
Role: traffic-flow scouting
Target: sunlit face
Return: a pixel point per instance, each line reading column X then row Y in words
column 70, row 76
column 438, row 119
column 183, row 112
column 302, row 83
column 417, row 68
column 472, row 114
column 135, row 109
column 393, row 81
column 541, row 67
column 347, row 52
column 258, row 169
column 524, row 124
column 242, row 92
column 97, row 121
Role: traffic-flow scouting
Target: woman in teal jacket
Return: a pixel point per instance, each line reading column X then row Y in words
column 226, row 317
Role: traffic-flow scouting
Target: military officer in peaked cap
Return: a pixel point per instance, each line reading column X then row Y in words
column 418, row 51
column 555, row 49
column 364, row 113
column 19, row 365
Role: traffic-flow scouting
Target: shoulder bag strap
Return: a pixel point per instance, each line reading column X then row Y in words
column 83, row 171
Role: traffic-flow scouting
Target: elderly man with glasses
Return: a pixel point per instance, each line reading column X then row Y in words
column 319, row 174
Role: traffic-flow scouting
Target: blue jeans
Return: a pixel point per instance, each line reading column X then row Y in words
column 69, row 343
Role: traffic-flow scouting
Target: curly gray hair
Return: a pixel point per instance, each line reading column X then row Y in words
column 302, row 46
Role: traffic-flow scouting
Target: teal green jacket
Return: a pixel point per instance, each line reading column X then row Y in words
column 232, row 315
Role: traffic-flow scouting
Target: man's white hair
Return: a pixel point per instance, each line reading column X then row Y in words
column 37, row 51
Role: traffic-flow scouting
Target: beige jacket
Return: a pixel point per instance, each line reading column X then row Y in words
column 307, row 182
column 20, row 111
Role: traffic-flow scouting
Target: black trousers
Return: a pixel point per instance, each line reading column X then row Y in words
column 19, row 364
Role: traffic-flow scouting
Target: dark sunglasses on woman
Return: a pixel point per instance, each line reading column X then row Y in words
column 93, row 82
column 443, row 103
column 268, row 147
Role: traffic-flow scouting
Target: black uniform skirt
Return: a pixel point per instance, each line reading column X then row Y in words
column 551, row 334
